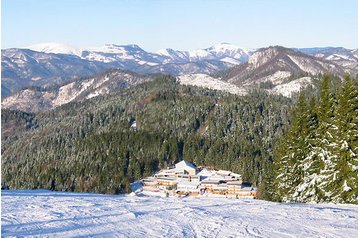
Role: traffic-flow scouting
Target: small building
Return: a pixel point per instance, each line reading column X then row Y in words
column 185, row 167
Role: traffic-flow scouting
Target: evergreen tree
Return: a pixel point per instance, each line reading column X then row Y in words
column 346, row 154
column 325, row 150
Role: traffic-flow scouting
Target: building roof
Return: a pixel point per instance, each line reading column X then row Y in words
column 224, row 172
column 247, row 189
column 234, row 183
column 183, row 164
column 207, row 181
column 166, row 178
column 236, row 175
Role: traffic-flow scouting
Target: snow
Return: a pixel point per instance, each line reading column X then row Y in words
column 262, row 57
column 230, row 51
column 94, row 94
column 34, row 213
column 56, row 48
column 294, row 86
column 142, row 62
column 206, row 81
column 165, row 52
column 277, row 78
column 87, row 83
column 114, row 49
column 134, row 124
column 307, row 65
column 197, row 54
column 346, row 188
column 224, row 47
column 230, row 60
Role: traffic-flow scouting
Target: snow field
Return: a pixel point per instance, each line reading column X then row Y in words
column 39, row 213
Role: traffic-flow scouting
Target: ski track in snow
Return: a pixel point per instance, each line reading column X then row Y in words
column 42, row 213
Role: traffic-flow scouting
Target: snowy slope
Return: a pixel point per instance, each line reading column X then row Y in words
column 34, row 100
column 344, row 57
column 287, row 89
column 56, row 48
column 205, row 81
column 224, row 52
column 278, row 64
column 55, row 214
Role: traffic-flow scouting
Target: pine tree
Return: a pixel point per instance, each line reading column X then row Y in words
column 346, row 163
column 292, row 151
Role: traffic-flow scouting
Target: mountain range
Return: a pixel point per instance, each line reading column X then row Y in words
column 48, row 75
column 48, row 63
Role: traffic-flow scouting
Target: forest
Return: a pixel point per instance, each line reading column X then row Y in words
column 317, row 159
column 288, row 148
column 91, row 146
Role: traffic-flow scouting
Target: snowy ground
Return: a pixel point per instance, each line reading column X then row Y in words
column 55, row 214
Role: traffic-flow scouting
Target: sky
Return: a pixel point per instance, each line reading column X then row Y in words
column 180, row 24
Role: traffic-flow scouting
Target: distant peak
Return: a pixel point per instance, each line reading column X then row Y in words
column 134, row 46
column 56, row 48
column 161, row 51
column 125, row 46
column 224, row 46
column 223, row 43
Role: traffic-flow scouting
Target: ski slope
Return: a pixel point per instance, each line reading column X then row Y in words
column 42, row 213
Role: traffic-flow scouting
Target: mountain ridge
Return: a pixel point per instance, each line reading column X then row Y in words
column 22, row 68
column 276, row 69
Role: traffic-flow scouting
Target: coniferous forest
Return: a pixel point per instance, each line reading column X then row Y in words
column 306, row 152
column 317, row 159
column 93, row 146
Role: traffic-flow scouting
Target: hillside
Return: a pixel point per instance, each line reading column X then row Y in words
column 23, row 68
column 278, row 65
column 205, row 81
column 339, row 55
column 36, row 99
column 93, row 146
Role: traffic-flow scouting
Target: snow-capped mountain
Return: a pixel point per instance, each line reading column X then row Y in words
column 341, row 56
column 224, row 52
column 22, row 68
column 52, row 62
column 56, row 48
column 40, row 99
column 278, row 65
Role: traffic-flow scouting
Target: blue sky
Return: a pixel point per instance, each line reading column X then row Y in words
column 180, row 24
